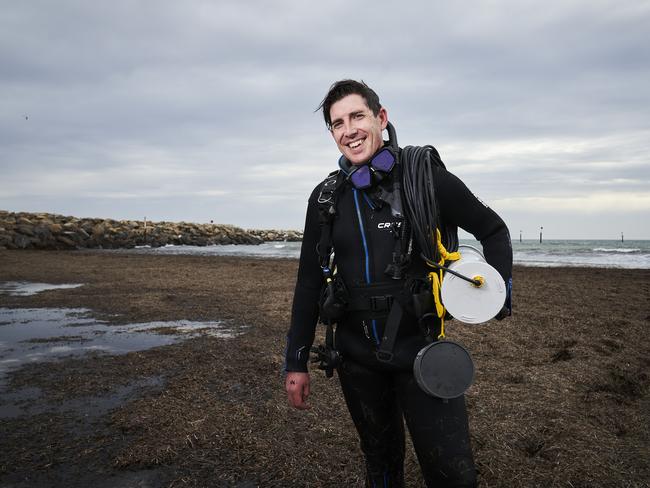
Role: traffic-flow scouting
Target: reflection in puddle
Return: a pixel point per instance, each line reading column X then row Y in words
column 29, row 401
column 25, row 288
column 40, row 334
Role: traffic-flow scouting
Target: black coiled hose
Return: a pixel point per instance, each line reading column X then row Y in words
column 420, row 201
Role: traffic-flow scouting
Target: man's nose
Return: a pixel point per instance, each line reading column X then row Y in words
column 350, row 129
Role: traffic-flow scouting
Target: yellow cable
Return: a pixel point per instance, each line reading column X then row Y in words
column 440, row 308
column 436, row 281
column 444, row 255
column 435, row 288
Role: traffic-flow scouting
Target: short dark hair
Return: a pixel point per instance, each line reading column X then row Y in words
column 342, row 89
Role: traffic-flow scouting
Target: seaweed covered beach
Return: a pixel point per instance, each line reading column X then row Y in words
column 561, row 396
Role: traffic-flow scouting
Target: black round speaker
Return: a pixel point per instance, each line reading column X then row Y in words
column 444, row 369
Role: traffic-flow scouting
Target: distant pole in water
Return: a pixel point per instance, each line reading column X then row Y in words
column 519, row 236
column 540, row 234
column 622, row 240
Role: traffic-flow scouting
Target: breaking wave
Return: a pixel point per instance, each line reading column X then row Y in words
column 621, row 249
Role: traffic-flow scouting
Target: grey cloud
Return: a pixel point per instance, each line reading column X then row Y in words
column 182, row 107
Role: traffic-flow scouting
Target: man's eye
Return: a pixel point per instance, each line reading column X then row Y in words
column 359, row 116
column 336, row 125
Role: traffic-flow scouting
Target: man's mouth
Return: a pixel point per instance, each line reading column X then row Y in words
column 355, row 144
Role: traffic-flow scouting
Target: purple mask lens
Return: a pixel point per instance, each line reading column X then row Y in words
column 384, row 161
column 361, row 177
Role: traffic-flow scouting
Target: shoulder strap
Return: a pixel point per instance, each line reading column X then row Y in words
column 327, row 188
column 327, row 211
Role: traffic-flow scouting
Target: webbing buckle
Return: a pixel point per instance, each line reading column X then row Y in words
column 384, row 356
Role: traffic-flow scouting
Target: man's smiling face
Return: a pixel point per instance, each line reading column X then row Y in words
column 356, row 130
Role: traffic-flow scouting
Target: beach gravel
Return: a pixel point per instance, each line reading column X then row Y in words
column 561, row 395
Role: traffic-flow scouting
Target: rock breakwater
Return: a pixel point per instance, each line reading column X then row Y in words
column 23, row 230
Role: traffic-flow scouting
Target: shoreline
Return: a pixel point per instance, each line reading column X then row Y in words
column 259, row 251
column 569, row 367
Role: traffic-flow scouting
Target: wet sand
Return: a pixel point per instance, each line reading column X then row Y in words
column 561, row 396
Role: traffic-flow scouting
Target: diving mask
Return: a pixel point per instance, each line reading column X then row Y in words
column 364, row 176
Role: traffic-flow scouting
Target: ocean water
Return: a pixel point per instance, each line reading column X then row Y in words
column 587, row 253
column 551, row 253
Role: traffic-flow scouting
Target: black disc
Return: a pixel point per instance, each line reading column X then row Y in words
column 444, row 369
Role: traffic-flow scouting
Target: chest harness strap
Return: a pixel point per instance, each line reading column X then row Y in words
column 332, row 303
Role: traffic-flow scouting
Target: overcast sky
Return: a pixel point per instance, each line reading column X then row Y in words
column 204, row 110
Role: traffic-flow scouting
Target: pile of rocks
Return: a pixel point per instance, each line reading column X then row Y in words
column 276, row 235
column 22, row 230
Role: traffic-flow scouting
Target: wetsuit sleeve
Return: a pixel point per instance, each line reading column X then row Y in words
column 304, row 312
column 460, row 207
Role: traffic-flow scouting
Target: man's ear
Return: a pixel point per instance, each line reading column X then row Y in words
column 383, row 117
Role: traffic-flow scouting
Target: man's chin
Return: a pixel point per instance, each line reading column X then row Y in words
column 357, row 160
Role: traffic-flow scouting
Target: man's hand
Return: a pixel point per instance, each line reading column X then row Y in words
column 297, row 386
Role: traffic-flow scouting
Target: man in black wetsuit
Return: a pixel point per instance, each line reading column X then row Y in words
column 380, row 394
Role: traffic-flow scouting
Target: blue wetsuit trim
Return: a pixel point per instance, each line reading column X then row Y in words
column 363, row 234
column 368, row 201
column 365, row 250
column 374, row 331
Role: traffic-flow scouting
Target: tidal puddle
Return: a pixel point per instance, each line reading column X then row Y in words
column 29, row 401
column 26, row 288
column 43, row 334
